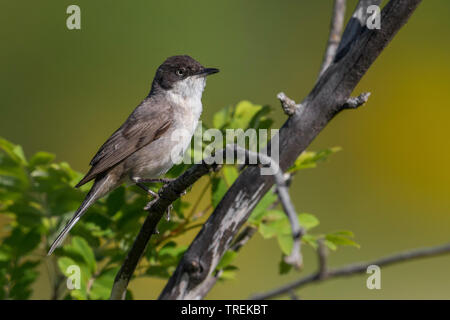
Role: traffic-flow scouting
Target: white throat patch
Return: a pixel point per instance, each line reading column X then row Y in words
column 187, row 94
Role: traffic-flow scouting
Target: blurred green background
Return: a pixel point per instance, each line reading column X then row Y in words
column 65, row 91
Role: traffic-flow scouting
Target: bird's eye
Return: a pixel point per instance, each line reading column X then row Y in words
column 180, row 72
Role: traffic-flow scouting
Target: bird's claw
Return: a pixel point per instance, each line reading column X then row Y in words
column 168, row 211
column 151, row 203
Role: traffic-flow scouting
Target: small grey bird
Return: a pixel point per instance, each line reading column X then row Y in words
column 141, row 150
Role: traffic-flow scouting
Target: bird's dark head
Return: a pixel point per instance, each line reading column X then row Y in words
column 181, row 73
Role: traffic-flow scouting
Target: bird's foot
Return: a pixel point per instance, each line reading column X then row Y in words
column 169, row 211
column 151, row 203
column 147, row 189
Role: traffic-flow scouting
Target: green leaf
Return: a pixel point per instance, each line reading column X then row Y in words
column 341, row 238
column 23, row 242
column 222, row 118
column 260, row 121
column 227, row 275
column 344, row 233
column 218, row 190
column 261, row 208
column 101, row 288
column 82, row 247
column 286, row 243
column 64, row 263
column 230, row 174
column 330, row 245
column 22, row 277
column 243, row 115
column 308, row 221
column 283, row 267
column 5, row 254
column 27, row 214
column 309, row 159
column 115, row 200
column 310, row 240
column 227, row 258
column 275, row 228
column 41, row 158
column 15, row 152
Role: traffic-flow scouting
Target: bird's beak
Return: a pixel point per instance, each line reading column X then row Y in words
column 207, row 71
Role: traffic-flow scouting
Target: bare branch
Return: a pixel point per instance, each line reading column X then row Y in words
column 327, row 99
column 322, row 253
column 191, row 267
column 243, row 238
column 355, row 102
column 295, row 258
column 355, row 27
column 287, row 104
column 356, row 268
column 168, row 194
column 337, row 23
column 175, row 189
column 240, row 241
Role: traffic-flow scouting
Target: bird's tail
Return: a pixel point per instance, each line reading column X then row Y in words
column 96, row 192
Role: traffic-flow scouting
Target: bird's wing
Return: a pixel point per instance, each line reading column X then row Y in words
column 139, row 130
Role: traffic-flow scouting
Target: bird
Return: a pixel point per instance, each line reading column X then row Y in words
column 142, row 149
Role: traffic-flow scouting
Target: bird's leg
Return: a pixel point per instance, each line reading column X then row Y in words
column 165, row 181
column 147, row 189
column 154, row 194
column 169, row 210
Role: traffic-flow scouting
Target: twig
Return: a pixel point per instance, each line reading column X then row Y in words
column 337, row 23
column 240, row 241
column 243, row 238
column 356, row 268
column 293, row 295
column 324, row 102
column 167, row 194
column 355, row 102
column 295, row 258
column 174, row 189
column 287, row 104
column 193, row 267
column 355, row 27
column 322, row 253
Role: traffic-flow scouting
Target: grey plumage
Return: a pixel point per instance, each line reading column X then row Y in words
column 141, row 147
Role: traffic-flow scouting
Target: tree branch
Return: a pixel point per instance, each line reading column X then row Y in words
column 195, row 267
column 176, row 188
column 337, row 23
column 167, row 194
column 327, row 99
column 240, row 241
column 356, row 268
column 355, row 102
column 288, row 105
column 355, row 27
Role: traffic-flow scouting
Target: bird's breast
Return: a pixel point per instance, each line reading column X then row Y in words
column 155, row 159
